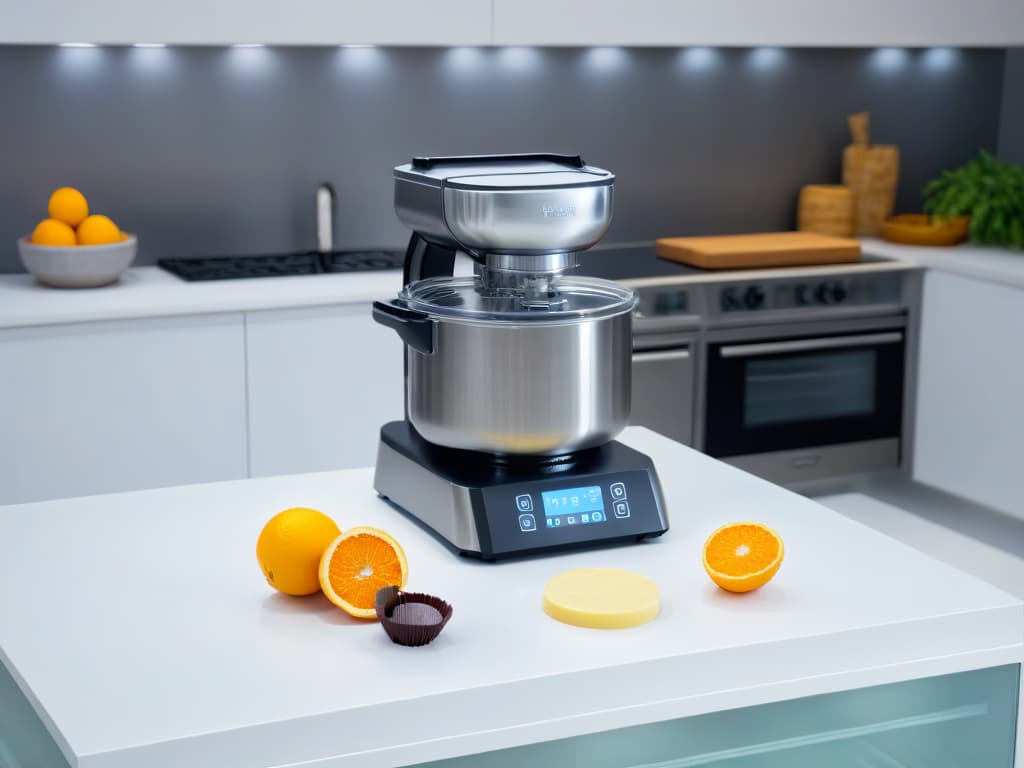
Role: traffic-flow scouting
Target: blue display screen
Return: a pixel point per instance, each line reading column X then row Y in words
column 573, row 501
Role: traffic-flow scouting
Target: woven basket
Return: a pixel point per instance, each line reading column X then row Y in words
column 872, row 172
column 827, row 210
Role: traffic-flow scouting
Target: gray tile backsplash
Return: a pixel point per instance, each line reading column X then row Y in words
column 205, row 151
column 1011, row 127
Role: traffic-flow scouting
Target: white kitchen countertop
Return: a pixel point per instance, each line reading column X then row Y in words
column 140, row 625
column 152, row 292
column 994, row 265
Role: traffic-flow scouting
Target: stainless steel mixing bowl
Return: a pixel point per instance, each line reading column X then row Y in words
column 497, row 376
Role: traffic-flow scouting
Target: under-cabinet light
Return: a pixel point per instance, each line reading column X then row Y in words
column 888, row 61
column 940, row 59
column 766, row 59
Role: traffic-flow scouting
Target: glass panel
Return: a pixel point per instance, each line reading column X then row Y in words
column 809, row 386
column 953, row 721
column 24, row 740
column 965, row 719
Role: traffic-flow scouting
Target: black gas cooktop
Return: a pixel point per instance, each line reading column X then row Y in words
column 309, row 263
column 611, row 263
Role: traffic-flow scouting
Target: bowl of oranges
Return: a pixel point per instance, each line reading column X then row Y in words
column 73, row 249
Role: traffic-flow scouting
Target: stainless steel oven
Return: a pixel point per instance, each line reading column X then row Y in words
column 791, row 402
column 793, row 374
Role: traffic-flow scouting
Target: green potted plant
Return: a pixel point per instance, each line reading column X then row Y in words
column 991, row 192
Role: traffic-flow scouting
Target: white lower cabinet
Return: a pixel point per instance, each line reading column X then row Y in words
column 321, row 383
column 115, row 406
column 970, row 392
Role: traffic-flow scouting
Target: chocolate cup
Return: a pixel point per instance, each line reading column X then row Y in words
column 411, row 618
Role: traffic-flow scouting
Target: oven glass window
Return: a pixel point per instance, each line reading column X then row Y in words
column 809, row 387
column 793, row 393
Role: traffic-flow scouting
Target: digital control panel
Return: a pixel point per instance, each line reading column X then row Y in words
column 545, row 514
column 573, row 506
column 582, row 505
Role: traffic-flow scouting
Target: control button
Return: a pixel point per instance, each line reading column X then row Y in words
column 729, row 300
column 803, row 295
column 551, row 523
column 527, row 523
column 830, row 293
column 753, row 298
column 571, row 520
column 596, row 517
column 584, row 518
column 618, row 490
column 621, row 508
column 558, row 521
column 524, row 503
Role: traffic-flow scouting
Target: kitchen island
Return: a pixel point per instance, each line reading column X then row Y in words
column 139, row 631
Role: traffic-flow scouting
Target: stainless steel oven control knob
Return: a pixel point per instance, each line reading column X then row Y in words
column 754, row 297
column 830, row 293
column 729, row 300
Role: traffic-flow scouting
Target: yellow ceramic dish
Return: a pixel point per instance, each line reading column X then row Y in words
column 921, row 229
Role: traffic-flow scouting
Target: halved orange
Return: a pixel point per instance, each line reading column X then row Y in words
column 358, row 563
column 740, row 557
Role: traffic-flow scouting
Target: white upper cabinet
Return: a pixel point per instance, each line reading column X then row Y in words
column 220, row 22
column 808, row 23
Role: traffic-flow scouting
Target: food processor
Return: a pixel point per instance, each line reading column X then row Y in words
column 518, row 377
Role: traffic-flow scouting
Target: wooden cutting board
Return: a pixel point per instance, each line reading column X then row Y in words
column 771, row 249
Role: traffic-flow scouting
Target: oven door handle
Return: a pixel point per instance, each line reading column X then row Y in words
column 660, row 356
column 806, row 345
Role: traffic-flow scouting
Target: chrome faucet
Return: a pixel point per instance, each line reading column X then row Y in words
column 325, row 218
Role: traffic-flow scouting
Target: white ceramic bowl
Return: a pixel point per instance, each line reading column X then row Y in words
column 77, row 266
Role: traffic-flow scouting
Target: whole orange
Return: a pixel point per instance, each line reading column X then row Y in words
column 69, row 205
column 53, row 232
column 98, row 230
column 290, row 546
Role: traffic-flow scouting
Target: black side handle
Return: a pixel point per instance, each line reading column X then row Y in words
column 414, row 327
column 425, row 259
column 426, row 163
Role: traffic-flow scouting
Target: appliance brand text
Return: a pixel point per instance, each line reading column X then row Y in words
column 557, row 211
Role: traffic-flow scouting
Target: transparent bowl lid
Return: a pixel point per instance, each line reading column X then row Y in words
column 570, row 298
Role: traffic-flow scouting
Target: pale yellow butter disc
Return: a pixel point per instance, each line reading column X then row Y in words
column 602, row 598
